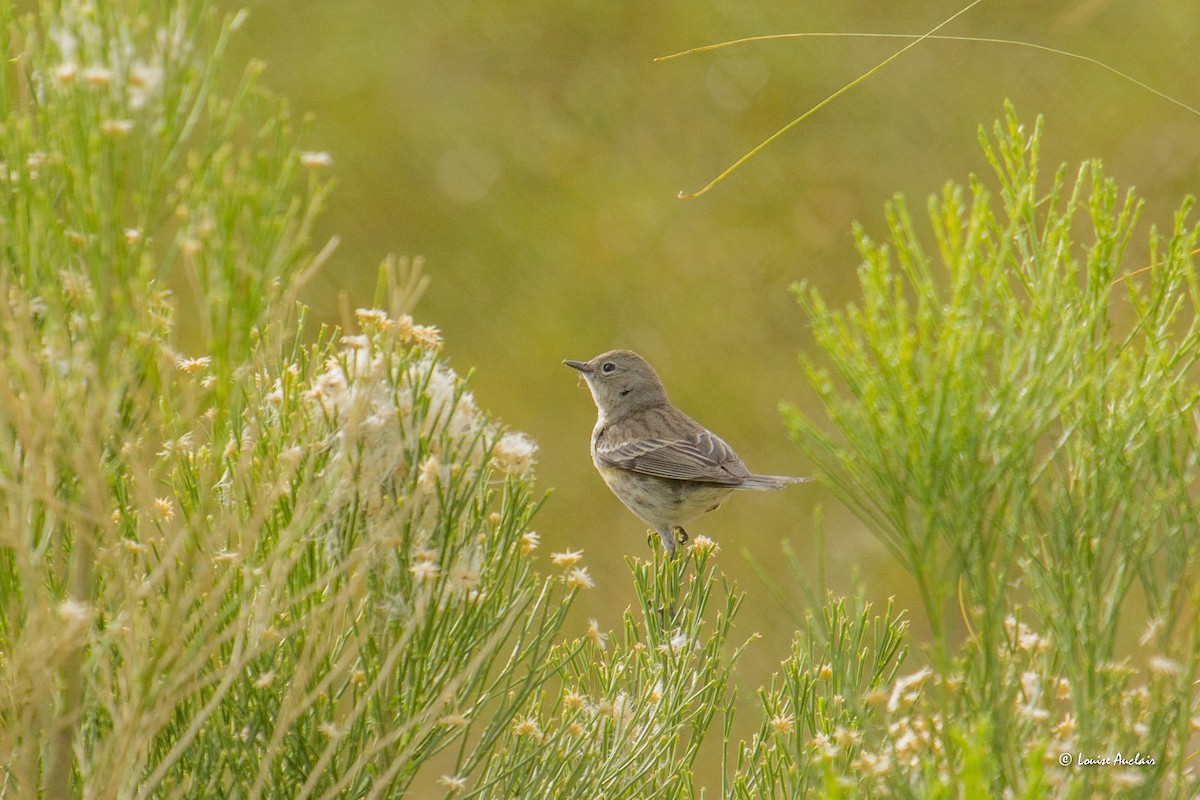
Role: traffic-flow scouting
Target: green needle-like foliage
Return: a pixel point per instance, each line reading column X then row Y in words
column 629, row 713
column 823, row 704
column 1013, row 413
column 240, row 557
column 275, row 569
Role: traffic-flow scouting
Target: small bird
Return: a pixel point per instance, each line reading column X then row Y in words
column 664, row 466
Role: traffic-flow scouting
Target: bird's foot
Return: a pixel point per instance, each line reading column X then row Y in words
column 681, row 535
column 668, row 537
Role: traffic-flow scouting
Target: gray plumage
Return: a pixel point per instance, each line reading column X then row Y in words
column 662, row 464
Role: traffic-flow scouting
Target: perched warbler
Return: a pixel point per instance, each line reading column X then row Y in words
column 664, row 466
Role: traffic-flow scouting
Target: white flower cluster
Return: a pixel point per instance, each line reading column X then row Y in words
column 129, row 73
column 396, row 415
column 1043, row 723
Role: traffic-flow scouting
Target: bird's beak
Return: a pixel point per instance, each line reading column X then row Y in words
column 582, row 366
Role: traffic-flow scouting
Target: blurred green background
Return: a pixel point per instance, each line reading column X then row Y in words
column 531, row 153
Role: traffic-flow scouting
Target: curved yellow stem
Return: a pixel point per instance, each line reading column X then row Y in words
column 916, row 39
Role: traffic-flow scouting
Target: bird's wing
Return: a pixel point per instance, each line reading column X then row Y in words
column 703, row 456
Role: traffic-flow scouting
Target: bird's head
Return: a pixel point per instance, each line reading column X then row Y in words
column 621, row 382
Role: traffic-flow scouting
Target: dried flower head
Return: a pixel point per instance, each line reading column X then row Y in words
column 98, row 76
column 453, row 783
column 144, row 82
column 424, row 570
column 527, row 727
column 76, row 612
column 427, row 336
column 65, row 73
column 679, row 643
column 907, row 689
column 579, row 578
column 116, row 127
column 567, row 559
column 782, row 724
column 355, row 342
column 595, row 636
column 164, row 509
column 513, row 454
column 315, row 160
column 1162, row 667
column 224, row 556
column 193, row 365
column 431, row 470
column 873, row 763
column 847, row 737
column 464, row 576
column 1032, row 712
column 824, row 746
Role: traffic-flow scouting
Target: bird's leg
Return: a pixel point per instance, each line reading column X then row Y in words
column 680, row 534
column 668, row 539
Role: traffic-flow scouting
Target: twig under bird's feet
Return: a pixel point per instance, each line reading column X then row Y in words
column 677, row 533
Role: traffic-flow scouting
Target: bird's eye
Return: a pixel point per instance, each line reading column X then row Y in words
column 608, row 368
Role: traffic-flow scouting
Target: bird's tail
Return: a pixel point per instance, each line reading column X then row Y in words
column 769, row 482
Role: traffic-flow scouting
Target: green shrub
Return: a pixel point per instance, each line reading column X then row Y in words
column 1015, row 419
column 276, row 568
column 243, row 557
